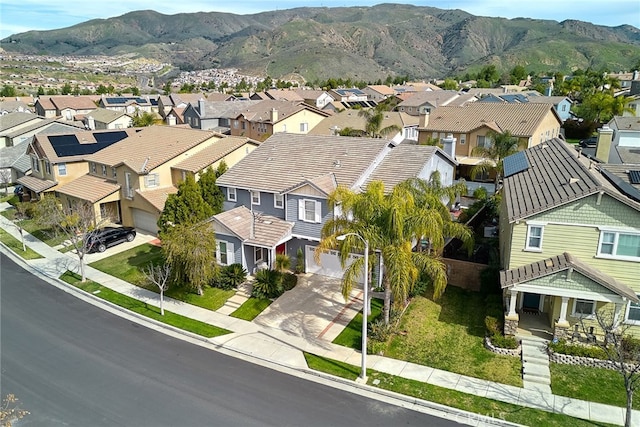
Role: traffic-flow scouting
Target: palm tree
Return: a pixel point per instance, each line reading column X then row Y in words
column 392, row 223
column 374, row 118
column 502, row 145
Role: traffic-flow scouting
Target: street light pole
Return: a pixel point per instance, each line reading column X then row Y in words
column 365, row 311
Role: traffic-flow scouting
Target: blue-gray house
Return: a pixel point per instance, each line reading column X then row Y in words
column 276, row 197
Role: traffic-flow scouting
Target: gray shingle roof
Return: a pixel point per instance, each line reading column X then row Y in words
column 560, row 263
column 286, row 160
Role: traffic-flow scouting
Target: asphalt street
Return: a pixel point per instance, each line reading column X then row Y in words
column 73, row 364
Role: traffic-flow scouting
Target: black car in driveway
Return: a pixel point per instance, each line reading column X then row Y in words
column 102, row 238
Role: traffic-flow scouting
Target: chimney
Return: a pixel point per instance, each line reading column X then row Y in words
column 91, row 122
column 171, row 120
column 449, row 145
column 636, row 75
column 603, row 146
column 201, row 107
column 274, row 115
column 423, row 122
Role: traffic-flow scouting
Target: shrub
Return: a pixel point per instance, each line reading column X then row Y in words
column 480, row 193
column 493, row 325
column 289, row 281
column 379, row 331
column 299, row 261
column 499, row 340
column 631, row 348
column 283, row 262
column 230, row 277
column 490, row 280
column 579, row 350
column 268, row 284
column 420, row 287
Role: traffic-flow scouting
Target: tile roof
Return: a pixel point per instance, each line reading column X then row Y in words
column 255, row 229
column 105, row 115
column 147, row 148
column 382, row 89
column 560, row 263
column 310, row 93
column 620, row 177
column 89, row 187
column 626, row 123
column 211, row 154
column 226, row 109
column 36, row 184
column 8, row 121
column 436, row 98
column 351, row 119
column 157, row 197
column 285, row 160
column 520, row 119
column 74, row 102
column 217, row 96
column 46, row 104
column 261, row 112
column 78, row 145
column 9, row 155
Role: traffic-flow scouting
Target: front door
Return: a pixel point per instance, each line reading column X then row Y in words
column 530, row 303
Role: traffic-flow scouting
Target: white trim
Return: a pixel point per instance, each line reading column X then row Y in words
column 229, row 252
column 571, row 293
column 626, row 314
column 62, row 167
column 302, row 211
column 275, row 201
column 584, row 316
column 230, row 191
column 253, row 193
column 614, row 249
column 527, row 246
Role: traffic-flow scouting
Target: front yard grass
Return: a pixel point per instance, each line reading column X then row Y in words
column 592, row 384
column 479, row 405
column 173, row 319
column 126, row 266
column 16, row 246
column 447, row 334
column 251, row 308
column 48, row 236
column 351, row 336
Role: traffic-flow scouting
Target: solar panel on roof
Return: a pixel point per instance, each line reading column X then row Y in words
column 515, row 163
column 110, row 137
column 69, row 145
column 634, row 176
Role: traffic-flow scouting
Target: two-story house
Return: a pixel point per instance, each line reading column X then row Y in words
column 378, row 93
column 315, row 98
column 66, row 107
column 103, row 118
column 276, row 197
column 266, row 118
column 131, row 105
column 351, row 119
column 424, row 102
column 181, row 100
column 215, row 115
column 569, row 239
column 60, row 158
column 470, row 125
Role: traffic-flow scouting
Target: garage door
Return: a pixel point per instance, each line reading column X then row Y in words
column 145, row 221
column 329, row 263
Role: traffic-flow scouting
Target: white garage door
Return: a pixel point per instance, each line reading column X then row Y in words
column 329, row 263
column 145, row 221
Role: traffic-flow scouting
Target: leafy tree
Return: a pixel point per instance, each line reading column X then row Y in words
column 184, row 207
column 52, row 91
column 8, row 91
column 40, row 91
column 502, row 145
column 517, row 74
column 489, row 73
column 449, row 84
column 187, row 88
column 66, row 89
column 190, row 252
column 143, row 119
column 211, row 193
column 102, row 90
column 167, row 88
column 134, row 91
column 391, row 223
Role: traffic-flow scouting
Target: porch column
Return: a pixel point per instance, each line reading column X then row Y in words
column 563, row 310
column 512, row 303
column 561, row 328
column 616, row 314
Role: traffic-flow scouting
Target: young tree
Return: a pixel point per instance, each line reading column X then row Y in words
column 190, row 252
column 184, row 207
column 502, row 145
column 158, row 275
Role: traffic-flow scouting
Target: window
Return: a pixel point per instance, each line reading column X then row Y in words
column 93, row 167
column 62, row 169
column 615, row 244
column 484, row 141
column 104, row 170
column 35, row 164
column 231, row 194
column 236, row 124
column 304, row 127
column 224, row 253
column 463, row 139
column 583, row 307
column 127, row 186
column 309, row 210
column 114, row 172
column 47, row 167
column 534, row 237
column 633, row 313
column 255, row 197
column 278, row 201
column 258, row 255
column 152, row 180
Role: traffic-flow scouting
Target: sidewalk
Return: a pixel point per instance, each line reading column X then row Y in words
column 287, row 349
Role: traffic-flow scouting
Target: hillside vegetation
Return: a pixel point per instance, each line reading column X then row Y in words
column 356, row 42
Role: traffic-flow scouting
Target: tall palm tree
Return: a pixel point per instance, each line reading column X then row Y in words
column 373, row 127
column 392, row 223
column 502, row 145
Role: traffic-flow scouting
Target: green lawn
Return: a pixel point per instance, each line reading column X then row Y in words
column 140, row 307
column 444, row 396
column 251, row 308
column 351, row 336
column 16, row 246
column 48, row 236
column 593, row 384
column 126, row 266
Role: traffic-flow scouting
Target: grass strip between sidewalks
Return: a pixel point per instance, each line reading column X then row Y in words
column 173, row 319
column 16, row 246
column 481, row 406
column 250, row 309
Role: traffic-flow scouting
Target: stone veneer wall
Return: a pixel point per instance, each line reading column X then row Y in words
column 503, row 351
column 566, row 359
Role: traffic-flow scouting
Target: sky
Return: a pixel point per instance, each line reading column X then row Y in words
column 18, row 16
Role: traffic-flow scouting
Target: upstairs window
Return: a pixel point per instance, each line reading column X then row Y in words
column 255, row 197
column 616, row 244
column 62, row 169
column 309, row 211
column 231, row 194
column 534, row 238
column 278, row 201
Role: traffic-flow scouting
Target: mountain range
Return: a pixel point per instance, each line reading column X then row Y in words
column 363, row 43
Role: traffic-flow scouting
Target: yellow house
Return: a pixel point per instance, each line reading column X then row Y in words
column 261, row 120
column 60, row 158
column 129, row 182
column 529, row 122
column 569, row 240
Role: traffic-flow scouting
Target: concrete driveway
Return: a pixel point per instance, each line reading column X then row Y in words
column 315, row 309
column 141, row 238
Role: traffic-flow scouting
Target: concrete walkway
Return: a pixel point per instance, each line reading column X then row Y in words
column 265, row 340
column 535, row 364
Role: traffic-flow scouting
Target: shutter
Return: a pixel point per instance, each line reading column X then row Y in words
column 318, row 211
column 230, row 254
column 301, row 209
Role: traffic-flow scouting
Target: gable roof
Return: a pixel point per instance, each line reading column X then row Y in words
column 223, row 109
column 261, row 111
column 75, row 146
column 149, row 147
column 11, row 120
column 255, row 230
column 437, row 98
column 560, row 263
column 352, row 119
column 520, row 119
column 285, row 160
column 105, row 115
column 89, row 187
column 211, row 154
column 382, row 89
column 80, row 102
column 158, row 196
column 122, row 101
